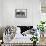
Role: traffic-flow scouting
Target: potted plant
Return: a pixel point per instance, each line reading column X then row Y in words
column 34, row 39
column 41, row 27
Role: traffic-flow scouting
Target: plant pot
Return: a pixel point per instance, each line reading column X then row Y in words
column 42, row 34
column 34, row 43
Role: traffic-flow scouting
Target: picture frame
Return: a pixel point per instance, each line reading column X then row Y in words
column 21, row 13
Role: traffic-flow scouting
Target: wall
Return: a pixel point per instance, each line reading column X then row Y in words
column 33, row 12
column 1, row 17
column 0, row 12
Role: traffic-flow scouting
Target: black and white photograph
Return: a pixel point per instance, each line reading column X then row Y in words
column 20, row 13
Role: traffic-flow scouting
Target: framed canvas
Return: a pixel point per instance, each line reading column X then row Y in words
column 20, row 13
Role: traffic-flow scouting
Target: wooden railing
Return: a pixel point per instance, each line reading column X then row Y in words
column 20, row 44
column 17, row 44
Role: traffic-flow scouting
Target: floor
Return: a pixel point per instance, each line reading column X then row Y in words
column 43, row 41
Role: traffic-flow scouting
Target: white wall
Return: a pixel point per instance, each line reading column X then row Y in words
column 0, row 12
column 33, row 12
column 36, row 7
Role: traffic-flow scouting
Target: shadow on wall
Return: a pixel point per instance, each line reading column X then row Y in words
column 1, row 33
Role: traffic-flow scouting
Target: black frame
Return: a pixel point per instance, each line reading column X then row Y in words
column 21, row 13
